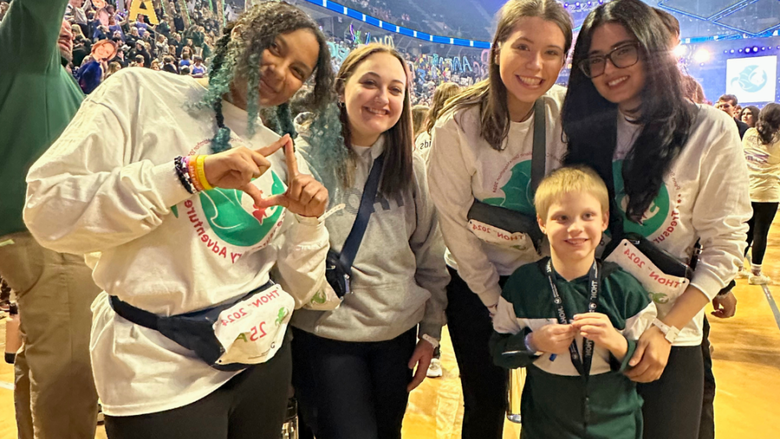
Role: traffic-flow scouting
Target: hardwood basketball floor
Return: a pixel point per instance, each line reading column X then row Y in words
column 746, row 365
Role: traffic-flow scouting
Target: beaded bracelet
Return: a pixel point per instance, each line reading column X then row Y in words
column 193, row 173
column 201, row 169
column 181, row 171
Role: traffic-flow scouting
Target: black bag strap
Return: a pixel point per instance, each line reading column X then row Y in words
column 539, row 155
column 352, row 244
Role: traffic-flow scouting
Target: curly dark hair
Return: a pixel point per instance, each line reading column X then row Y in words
column 239, row 55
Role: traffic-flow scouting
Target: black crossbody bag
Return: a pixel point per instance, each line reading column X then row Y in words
column 507, row 222
column 338, row 266
column 662, row 259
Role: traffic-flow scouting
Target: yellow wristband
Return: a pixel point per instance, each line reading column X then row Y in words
column 201, row 169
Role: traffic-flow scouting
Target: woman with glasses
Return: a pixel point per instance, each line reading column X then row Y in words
column 678, row 176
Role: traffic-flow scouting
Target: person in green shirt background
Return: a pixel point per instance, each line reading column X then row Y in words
column 54, row 391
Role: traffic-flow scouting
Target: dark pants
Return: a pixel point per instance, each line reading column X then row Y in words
column 484, row 383
column 672, row 408
column 251, row 405
column 707, row 425
column 760, row 222
column 352, row 390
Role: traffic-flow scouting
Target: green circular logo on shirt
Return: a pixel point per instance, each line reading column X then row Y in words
column 653, row 218
column 234, row 218
column 518, row 194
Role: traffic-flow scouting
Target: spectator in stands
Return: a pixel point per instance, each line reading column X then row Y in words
column 138, row 61
column 185, row 60
column 169, row 65
column 198, row 69
column 140, row 50
column 131, row 131
column 728, row 104
column 113, row 67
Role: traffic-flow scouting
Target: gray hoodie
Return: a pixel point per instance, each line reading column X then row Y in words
column 399, row 275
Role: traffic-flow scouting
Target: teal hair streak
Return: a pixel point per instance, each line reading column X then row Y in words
column 329, row 152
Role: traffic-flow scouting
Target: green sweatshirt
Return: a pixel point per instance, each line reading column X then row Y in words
column 557, row 402
column 38, row 97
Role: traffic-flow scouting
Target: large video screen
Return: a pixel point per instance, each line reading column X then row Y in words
column 752, row 80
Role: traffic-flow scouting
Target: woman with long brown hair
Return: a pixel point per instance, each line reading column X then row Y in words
column 482, row 157
column 762, row 151
column 353, row 365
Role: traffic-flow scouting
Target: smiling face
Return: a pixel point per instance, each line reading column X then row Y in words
column 285, row 66
column 574, row 226
column 374, row 97
column 530, row 60
column 622, row 86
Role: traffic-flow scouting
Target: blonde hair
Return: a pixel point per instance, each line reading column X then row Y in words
column 566, row 180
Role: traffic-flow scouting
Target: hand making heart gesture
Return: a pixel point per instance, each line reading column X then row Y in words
column 237, row 167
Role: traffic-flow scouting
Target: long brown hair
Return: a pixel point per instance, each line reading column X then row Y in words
column 397, row 171
column 491, row 94
column 442, row 94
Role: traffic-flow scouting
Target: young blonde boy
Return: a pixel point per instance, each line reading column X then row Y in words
column 563, row 397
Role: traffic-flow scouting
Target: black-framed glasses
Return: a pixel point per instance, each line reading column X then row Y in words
column 621, row 57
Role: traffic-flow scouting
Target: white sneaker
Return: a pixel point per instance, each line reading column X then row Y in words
column 434, row 369
column 743, row 274
column 759, row 279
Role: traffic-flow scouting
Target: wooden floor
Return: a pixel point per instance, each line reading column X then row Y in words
column 746, row 365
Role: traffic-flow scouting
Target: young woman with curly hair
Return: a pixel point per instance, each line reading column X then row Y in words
column 180, row 237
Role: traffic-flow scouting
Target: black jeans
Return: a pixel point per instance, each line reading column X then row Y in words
column 483, row 383
column 352, row 390
column 672, row 408
column 759, row 224
column 250, row 406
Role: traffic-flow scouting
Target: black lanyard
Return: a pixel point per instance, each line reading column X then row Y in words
column 582, row 364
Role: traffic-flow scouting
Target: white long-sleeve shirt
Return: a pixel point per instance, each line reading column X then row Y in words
column 763, row 161
column 463, row 166
column 705, row 197
column 108, row 185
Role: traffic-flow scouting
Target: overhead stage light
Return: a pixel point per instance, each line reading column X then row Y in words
column 702, row 56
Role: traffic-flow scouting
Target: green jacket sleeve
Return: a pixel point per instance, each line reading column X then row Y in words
column 509, row 351
column 29, row 33
column 622, row 366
